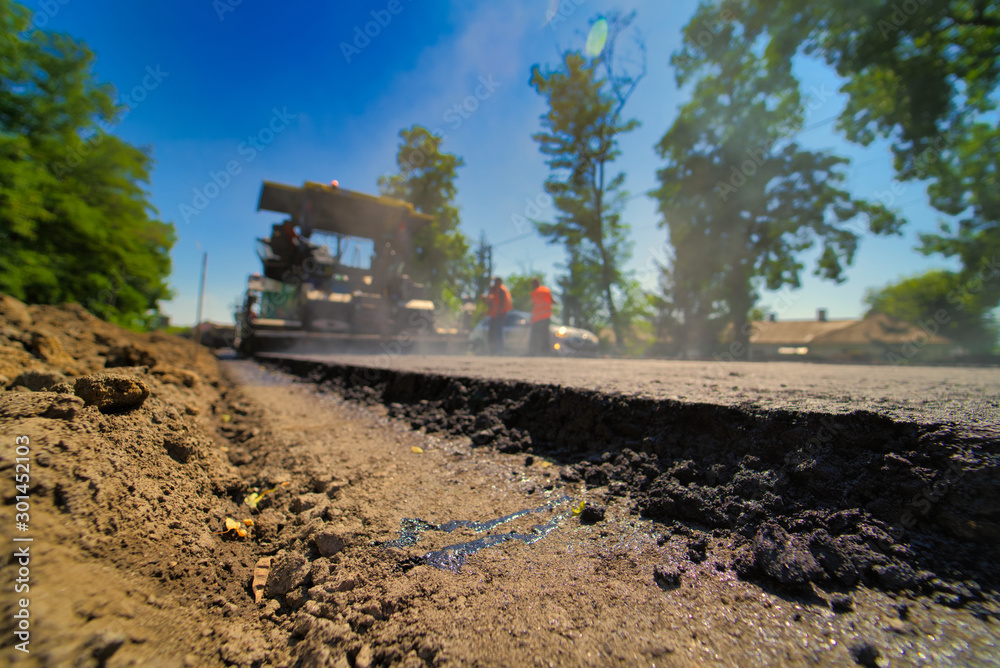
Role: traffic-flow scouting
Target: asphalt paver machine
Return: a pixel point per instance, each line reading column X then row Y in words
column 307, row 296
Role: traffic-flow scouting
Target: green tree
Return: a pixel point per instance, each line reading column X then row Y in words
column 520, row 289
column 942, row 302
column 579, row 290
column 741, row 200
column 586, row 96
column 426, row 179
column 922, row 74
column 75, row 222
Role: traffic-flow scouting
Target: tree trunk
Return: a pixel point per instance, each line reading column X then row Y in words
column 616, row 325
column 740, row 305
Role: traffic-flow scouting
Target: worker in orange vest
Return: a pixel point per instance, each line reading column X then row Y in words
column 499, row 304
column 541, row 316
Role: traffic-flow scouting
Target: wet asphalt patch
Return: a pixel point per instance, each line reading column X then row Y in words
column 452, row 557
column 835, row 500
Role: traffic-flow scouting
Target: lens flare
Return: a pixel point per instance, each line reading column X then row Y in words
column 597, row 38
column 551, row 12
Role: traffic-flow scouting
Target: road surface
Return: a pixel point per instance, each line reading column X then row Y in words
column 964, row 396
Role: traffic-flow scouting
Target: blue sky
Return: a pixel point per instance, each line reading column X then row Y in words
column 269, row 91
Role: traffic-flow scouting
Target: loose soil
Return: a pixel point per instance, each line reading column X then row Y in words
column 694, row 534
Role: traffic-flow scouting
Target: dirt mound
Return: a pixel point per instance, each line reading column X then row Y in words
column 838, row 500
column 125, row 484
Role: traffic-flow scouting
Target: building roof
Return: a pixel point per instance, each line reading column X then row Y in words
column 881, row 328
column 794, row 332
column 876, row 328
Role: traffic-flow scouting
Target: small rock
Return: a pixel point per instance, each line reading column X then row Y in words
column 270, row 608
column 314, row 654
column 171, row 375
column 305, row 502
column 296, row 598
column 373, row 609
column 364, row 657
column 698, row 548
column 128, row 355
column 592, row 513
column 483, row 437
column 314, row 608
column 529, row 460
column 617, row 488
column 111, row 392
column 785, row 557
column 667, row 576
column 319, row 571
column 570, row 474
column 288, row 571
column 597, row 476
column 896, row 625
column 329, row 542
column 302, row 624
column 334, row 486
column 841, row 604
column 38, row 381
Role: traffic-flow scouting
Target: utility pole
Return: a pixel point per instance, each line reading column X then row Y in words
column 201, row 299
column 484, row 258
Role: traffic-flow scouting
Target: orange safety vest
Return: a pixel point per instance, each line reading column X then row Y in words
column 541, row 303
column 500, row 301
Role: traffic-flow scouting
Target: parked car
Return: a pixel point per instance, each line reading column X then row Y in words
column 517, row 333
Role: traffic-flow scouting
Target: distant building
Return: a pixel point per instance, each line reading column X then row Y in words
column 877, row 338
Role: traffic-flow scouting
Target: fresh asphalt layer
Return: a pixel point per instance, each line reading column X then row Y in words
column 967, row 398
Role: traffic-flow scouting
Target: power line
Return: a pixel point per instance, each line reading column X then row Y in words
column 510, row 241
column 818, row 124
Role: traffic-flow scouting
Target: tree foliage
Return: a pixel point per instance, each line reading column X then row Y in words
column 943, row 302
column 586, row 96
column 740, row 198
column 426, row 179
column 922, row 74
column 75, row 222
column 520, row 289
column 579, row 290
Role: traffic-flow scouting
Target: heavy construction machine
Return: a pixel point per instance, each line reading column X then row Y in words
column 308, row 298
